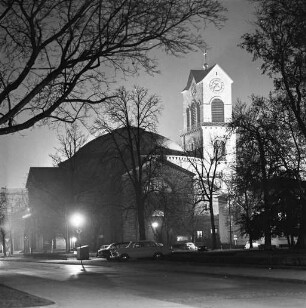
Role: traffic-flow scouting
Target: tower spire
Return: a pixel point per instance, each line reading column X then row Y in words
column 205, row 65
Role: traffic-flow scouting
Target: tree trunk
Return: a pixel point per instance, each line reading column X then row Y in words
column 301, row 242
column 213, row 227
column 3, row 241
column 288, row 240
column 267, row 209
column 251, row 240
column 141, row 218
column 268, row 238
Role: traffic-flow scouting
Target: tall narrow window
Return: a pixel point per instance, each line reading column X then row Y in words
column 217, row 111
column 193, row 115
column 198, row 114
column 188, row 117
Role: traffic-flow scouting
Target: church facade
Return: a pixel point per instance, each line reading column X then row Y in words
column 207, row 110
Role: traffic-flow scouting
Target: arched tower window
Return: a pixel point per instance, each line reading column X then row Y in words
column 198, row 114
column 193, row 115
column 217, row 111
column 188, row 117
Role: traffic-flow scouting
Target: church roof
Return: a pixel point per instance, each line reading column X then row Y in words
column 197, row 75
column 105, row 143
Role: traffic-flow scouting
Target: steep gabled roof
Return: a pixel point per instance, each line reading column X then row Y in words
column 197, row 75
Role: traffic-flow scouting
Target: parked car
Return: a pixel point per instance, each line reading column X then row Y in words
column 202, row 248
column 140, row 249
column 104, row 250
column 254, row 244
column 184, row 247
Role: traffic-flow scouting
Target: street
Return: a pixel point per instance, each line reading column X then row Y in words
column 145, row 284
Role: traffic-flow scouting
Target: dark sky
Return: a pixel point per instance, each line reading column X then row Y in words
column 32, row 147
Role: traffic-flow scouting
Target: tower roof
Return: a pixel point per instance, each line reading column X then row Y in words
column 197, row 75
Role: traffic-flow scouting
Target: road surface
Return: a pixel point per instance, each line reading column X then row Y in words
column 146, row 284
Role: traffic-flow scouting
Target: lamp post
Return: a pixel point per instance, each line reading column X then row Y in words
column 155, row 226
column 68, row 246
column 77, row 220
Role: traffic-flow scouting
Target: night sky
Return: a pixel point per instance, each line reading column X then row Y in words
column 28, row 148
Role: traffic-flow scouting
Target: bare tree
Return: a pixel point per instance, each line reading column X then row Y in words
column 69, row 143
column 242, row 199
column 170, row 203
column 205, row 164
column 58, row 58
column 128, row 118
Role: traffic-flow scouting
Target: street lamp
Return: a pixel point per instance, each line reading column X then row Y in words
column 77, row 220
column 154, row 225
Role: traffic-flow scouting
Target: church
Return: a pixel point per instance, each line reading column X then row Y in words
column 207, row 109
column 97, row 184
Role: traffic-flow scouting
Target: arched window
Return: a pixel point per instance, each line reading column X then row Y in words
column 188, row 117
column 219, row 150
column 217, row 111
column 198, row 114
column 193, row 114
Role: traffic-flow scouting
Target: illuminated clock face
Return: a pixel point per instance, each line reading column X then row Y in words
column 216, row 85
column 193, row 90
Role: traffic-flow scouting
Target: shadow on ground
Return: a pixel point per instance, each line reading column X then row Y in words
column 10, row 297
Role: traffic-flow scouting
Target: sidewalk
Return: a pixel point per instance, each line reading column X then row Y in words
column 288, row 274
column 279, row 274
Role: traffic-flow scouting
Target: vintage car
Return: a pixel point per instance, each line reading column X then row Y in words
column 104, row 250
column 140, row 249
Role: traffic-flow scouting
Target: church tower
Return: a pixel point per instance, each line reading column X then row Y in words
column 207, row 108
